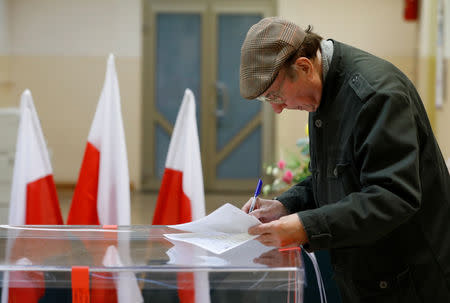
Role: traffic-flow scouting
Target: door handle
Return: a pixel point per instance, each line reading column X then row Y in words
column 222, row 94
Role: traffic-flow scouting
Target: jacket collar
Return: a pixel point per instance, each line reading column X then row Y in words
column 334, row 78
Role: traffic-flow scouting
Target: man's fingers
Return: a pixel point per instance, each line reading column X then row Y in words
column 257, row 213
column 261, row 215
column 259, row 229
column 246, row 206
column 256, row 204
column 267, row 240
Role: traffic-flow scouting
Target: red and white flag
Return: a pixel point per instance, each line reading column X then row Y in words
column 102, row 193
column 33, row 193
column 33, row 198
column 181, row 196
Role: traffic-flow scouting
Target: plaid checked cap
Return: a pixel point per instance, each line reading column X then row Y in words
column 267, row 46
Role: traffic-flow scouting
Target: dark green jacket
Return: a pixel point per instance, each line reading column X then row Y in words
column 379, row 194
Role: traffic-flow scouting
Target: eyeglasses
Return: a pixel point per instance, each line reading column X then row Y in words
column 274, row 97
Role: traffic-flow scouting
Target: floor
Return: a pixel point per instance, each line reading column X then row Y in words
column 143, row 204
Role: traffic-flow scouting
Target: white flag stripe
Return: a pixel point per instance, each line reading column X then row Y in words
column 31, row 159
column 113, row 196
column 127, row 287
column 19, row 183
column 185, row 138
column 44, row 167
column 201, row 280
column 108, row 136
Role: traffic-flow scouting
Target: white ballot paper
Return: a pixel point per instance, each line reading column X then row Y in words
column 220, row 231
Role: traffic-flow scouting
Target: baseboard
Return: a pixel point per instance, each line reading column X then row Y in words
column 71, row 186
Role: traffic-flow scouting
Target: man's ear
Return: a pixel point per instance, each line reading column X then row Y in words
column 304, row 65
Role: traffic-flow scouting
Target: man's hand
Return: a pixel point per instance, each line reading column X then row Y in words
column 277, row 258
column 285, row 231
column 266, row 210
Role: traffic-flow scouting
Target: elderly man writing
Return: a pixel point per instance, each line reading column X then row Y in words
column 378, row 197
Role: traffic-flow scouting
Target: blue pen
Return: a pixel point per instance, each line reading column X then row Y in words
column 257, row 191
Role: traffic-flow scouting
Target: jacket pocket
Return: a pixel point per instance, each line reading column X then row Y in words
column 348, row 176
column 343, row 180
column 397, row 288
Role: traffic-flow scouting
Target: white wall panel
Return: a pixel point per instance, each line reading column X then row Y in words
column 4, row 27
column 375, row 26
column 76, row 28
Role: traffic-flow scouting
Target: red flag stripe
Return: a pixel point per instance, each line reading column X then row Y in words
column 83, row 210
column 172, row 206
column 26, row 286
column 42, row 207
column 42, row 203
column 103, row 289
column 186, row 287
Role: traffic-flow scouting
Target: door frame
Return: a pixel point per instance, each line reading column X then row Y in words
column 208, row 10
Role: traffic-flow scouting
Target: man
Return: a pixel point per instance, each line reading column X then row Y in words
column 379, row 192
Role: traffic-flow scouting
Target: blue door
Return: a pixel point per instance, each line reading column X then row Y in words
column 198, row 47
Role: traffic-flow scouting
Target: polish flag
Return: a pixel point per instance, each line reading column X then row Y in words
column 33, row 198
column 181, row 196
column 33, row 193
column 102, row 193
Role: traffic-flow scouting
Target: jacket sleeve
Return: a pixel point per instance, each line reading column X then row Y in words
column 298, row 197
column 386, row 153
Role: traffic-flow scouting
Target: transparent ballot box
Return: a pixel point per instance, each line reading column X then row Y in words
column 139, row 264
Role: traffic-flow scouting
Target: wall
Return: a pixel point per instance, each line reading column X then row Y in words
column 4, row 54
column 442, row 124
column 442, row 114
column 59, row 49
column 358, row 23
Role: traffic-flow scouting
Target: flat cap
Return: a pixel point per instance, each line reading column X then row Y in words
column 267, row 46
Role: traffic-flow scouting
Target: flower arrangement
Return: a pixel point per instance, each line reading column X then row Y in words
column 290, row 170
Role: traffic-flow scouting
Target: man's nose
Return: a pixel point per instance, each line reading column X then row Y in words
column 276, row 108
